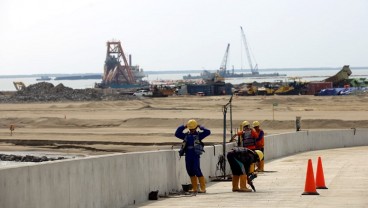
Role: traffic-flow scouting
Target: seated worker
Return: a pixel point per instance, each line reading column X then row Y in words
column 246, row 137
column 242, row 162
column 192, row 149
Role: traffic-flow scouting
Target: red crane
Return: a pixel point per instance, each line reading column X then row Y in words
column 114, row 71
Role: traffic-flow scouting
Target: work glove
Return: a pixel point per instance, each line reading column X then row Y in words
column 251, row 177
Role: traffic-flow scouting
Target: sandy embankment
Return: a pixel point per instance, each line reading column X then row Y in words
column 149, row 123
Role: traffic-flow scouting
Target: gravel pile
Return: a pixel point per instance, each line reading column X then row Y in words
column 27, row 158
column 47, row 92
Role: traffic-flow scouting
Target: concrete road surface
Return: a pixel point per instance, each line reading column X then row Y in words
column 345, row 172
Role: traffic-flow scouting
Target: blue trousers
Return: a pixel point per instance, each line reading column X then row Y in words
column 192, row 164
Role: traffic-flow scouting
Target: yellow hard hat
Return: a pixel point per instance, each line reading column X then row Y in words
column 256, row 123
column 245, row 123
column 260, row 154
column 192, row 124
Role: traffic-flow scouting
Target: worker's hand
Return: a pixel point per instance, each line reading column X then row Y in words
column 251, row 177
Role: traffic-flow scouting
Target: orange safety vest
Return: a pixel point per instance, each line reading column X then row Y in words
column 260, row 139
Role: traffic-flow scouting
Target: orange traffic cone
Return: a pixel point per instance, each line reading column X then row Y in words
column 310, row 184
column 320, row 178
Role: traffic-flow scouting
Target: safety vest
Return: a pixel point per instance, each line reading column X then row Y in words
column 198, row 145
column 260, row 142
column 249, row 139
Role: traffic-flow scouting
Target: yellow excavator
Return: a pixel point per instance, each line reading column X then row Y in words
column 19, row 86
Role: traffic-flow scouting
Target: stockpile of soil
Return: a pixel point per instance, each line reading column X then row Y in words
column 47, row 92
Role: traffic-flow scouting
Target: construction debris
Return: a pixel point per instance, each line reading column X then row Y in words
column 28, row 158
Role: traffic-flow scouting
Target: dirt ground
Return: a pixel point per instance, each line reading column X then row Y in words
column 104, row 127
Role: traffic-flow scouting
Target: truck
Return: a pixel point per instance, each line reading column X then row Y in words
column 340, row 79
column 143, row 93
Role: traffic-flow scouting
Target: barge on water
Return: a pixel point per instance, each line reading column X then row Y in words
column 44, row 78
column 79, row 77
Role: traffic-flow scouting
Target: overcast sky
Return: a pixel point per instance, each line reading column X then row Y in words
column 69, row 36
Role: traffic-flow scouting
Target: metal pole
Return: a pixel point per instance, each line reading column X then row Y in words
column 224, row 142
column 297, row 123
column 231, row 119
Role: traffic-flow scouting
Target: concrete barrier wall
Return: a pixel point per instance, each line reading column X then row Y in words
column 281, row 145
column 119, row 180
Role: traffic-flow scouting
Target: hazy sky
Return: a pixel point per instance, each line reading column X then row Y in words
column 69, row 36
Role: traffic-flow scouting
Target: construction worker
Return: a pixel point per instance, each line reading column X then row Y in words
column 259, row 144
column 242, row 162
column 192, row 148
column 246, row 136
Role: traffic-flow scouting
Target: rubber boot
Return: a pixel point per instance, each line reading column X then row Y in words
column 243, row 184
column 202, row 183
column 261, row 166
column 252, row 167
column 235, row 181
column 194, row 182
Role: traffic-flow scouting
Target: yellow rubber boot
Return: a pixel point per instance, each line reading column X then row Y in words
column 202, row 183
column 252, row 167
column 194, row 182
column 261, row 166
column 243, row 184
column 235, row 181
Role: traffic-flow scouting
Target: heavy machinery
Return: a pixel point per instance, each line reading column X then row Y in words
column 266, row 89
column 292, row 88
column 19, row 86
column 223, row 68
column 254, row 69
column 118, row 73
column 248, row 89
column 339, row 79
column 162, row 91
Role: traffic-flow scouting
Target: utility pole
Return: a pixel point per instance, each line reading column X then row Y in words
column 224, row 136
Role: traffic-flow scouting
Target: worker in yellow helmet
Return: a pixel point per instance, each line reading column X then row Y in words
column 246, row 136
column 259, row 144
column 192, row 148
column 242, row 162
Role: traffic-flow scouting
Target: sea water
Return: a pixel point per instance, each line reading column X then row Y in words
column 6, row 84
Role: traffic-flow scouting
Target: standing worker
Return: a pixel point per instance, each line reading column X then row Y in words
column 193, row 148
column 259, row 144
column 242, row 162
column 247, row 136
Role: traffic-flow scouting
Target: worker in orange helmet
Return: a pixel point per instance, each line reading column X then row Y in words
column 246, row 136
column 192, row 148
column 259, row 144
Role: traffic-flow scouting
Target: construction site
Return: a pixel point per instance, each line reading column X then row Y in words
column 121, row 79
column 107, row 144
column 105, row 134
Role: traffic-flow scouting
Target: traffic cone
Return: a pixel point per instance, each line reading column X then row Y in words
column 310, row 184
column 320, row 178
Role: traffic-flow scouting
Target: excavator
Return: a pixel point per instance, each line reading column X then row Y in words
column 19, row 86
